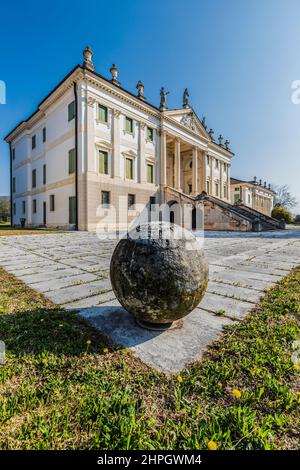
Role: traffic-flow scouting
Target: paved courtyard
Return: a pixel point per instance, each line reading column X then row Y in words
column 72, row 269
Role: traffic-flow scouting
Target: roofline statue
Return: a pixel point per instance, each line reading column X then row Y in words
column 163, row 99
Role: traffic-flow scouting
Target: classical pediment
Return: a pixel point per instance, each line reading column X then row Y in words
column 188, row 118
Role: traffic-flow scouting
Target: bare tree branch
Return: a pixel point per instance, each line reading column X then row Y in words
column 283, row 197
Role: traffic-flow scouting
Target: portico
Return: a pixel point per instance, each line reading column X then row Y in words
column 183, row 165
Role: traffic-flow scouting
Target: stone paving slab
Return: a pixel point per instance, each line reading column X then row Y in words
column 177, row 346
column 72, row 269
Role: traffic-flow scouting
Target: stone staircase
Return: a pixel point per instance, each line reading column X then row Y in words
column 237, row 217
column 267, row 222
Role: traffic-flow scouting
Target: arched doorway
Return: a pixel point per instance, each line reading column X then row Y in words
column 174, row 212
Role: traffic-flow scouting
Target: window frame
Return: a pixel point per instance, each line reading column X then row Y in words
column 33, row 178
column 69, row 161
column 105, row 153
column 105, row 205
column 150, row 165
column 33, row 142
column 151, row 137
column 131, row 207
column 44, row 174
column 217, row 189
column 34, row 206
column 52, row 202
column 71, row 111
column 129, row 119
column 44, row 134
column 23, row 207
column 129, row 159
column 14, row 184
column 105, row 109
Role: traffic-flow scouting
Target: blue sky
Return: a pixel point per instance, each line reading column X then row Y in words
column 238, row 60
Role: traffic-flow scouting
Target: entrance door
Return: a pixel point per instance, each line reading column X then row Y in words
column 44, row 213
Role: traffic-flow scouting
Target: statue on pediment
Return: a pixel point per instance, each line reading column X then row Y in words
column 185, row 102
column 163, row 99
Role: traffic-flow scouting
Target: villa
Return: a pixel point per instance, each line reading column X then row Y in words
column 95, row 154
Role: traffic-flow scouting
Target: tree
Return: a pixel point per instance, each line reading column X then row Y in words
column 4, row 209
column 280, row 212
column 297, row 219
column 283, row 197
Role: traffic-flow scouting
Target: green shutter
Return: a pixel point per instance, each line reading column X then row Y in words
column 150, row 173
column 72, row 210
column 129, row 125
column 71, row 161
column 129, row 168
column 102, row 113
column 103, row 162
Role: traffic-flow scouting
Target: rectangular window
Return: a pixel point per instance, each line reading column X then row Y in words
column 33, row 142
column 129, row 125
column 14, row 208
column 217, row 189
column 131, row 201
column 150, row 173
column 33, row 178
column 71, row 111
column 72, row 210
column 44, row 134
column 217, row 163
column 34, row 206
column 236, row 197
column 249, row 199
column 23, row 207
column 152, row 202
column 13, row 154
column 225, row 191
column 14, row 184
column 71, row 161
column 129, row 168
column 225, row 167
column 190, row 188
column 102, row 113
column 103, row 162
column 207, row 159
column 150, row 134
column 44, row 174
column 52, row 202
column 105, row 199
column 207, row 187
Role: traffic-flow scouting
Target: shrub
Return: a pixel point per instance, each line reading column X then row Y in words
column 280, row 213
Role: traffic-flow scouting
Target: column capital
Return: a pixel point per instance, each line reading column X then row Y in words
column 91, row 101
column 116, row 113
column 161, row 131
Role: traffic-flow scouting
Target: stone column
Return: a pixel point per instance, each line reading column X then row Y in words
column 195, row 171
column 163, row 158
column 228, row 182
column 203, row 179
column 211, row 185
column 141, row 161
column 221, row 195
column 115, row 166
column 177, row 165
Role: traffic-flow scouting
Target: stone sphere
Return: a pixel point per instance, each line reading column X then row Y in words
column 159, row 272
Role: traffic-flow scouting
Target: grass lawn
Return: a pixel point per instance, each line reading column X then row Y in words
column 6, row 229
column 64, row 387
